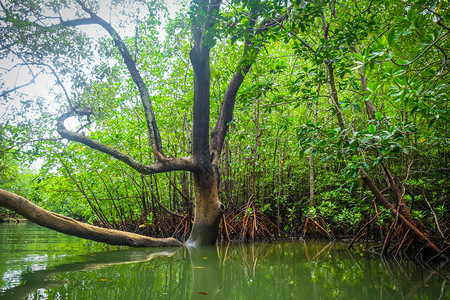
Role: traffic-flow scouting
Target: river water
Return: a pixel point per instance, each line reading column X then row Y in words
column 37, row 263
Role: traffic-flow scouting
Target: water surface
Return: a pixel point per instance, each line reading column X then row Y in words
column 38, row 263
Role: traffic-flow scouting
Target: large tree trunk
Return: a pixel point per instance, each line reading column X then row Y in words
column 208, row 210
column 70, row 226
column 205, row 153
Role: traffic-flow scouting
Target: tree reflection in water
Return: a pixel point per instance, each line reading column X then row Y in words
column 286, row 270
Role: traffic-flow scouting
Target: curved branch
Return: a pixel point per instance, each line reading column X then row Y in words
column 70, row 226
column 421, row 54
column 162, row 164
column 131, row 66
column 229, row 99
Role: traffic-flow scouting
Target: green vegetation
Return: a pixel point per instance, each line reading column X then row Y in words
column 13, row 176
column 340, row 95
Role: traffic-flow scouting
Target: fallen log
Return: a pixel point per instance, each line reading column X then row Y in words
column 70, row 226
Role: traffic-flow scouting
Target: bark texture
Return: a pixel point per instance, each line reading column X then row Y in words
column 70, row 226
column 208, row 211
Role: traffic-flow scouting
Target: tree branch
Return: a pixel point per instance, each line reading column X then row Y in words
column 4, row 93
column 161, row 165
column 420, row 237
column 421, row 54
column 131, row 66
column 229, row 99
column 70, row 226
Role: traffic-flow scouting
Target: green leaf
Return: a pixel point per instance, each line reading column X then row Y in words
column 355, row 158
column 419, row 90
column 372, row 129
column 377, row 40
column 359, row 64
column 377, row 161
column 371, row 86
column 356, row 106
column 377, row 53
column 390, row 55
column 391, row 36
column 378, row 116
column 399, row 72
column 358, row 56
column 365, row 165
column 403, row 61
column 414, row 109
column 400, row 81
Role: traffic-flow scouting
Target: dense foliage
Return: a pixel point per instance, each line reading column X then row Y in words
column 336, row 88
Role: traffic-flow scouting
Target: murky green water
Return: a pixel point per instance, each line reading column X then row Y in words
column 37, row 263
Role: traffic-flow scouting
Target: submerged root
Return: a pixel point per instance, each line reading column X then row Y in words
column 399, row 240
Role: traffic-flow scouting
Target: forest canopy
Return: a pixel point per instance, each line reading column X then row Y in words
column 231, row 120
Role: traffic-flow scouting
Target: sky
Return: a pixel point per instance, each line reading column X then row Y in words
column 42, row 85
